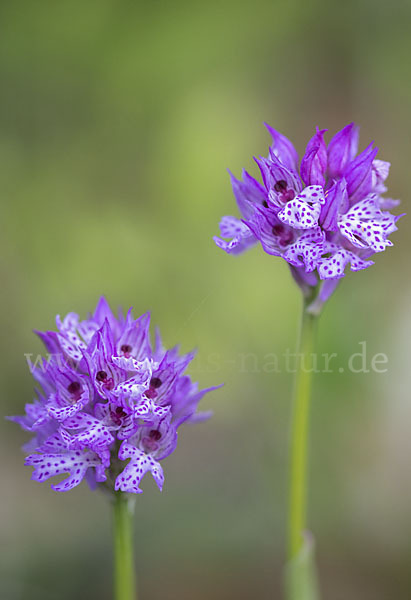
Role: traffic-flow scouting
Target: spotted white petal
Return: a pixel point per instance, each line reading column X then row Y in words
column 304, row 210
column 140, row 463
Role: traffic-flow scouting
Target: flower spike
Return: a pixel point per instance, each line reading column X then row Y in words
column 107, row 397
column 326, row 216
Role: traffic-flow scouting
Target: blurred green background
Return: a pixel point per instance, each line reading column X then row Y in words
column 118, row 120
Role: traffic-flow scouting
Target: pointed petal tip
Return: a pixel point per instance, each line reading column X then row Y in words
column 270, row 129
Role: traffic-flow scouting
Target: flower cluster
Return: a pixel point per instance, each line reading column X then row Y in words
column 320, row 217
column 107, row 396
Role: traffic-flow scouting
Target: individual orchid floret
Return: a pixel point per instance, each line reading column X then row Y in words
column 282, row 184
column 107, row 396
column 322, row 217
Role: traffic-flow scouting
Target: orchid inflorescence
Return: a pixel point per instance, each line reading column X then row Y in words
column 327, row 214
column 107, row 396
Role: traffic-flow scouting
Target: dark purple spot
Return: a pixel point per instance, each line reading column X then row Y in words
column 278, row 229
column 280, row 185
column 285, row 235
column 101, row 376
column 154, row 435
column 155, row 382
column 74, row 387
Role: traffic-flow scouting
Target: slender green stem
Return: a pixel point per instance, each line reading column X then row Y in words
column 124, row 575
column 299, row 433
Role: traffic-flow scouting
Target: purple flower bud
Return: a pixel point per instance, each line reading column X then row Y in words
column 314, row 161
column 336, row 202
column 358, row 174
column 342, row 149
column 283, row 149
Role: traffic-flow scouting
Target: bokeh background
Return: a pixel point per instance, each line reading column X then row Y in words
column 118, row 120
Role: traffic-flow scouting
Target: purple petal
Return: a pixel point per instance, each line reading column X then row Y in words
column 184, row 408
column 50, row 340
column 104, row 313
column 342, row 149
column 242, row 237
column 314, row 161
column 136, row 336
column 358, row 174
column 380, row 171
column 283, row 149
column 336, row 203
column 388, row 203
column 35, row 413
column 263, row 230
column 247, row 193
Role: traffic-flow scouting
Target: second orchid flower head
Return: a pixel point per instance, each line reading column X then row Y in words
column 321, row 214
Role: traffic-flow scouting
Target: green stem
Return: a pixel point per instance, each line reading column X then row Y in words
column 124, row 576
column 299, row 434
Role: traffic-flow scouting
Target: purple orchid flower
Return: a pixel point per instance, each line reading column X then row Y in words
column 321, row 218
column 107, row 396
